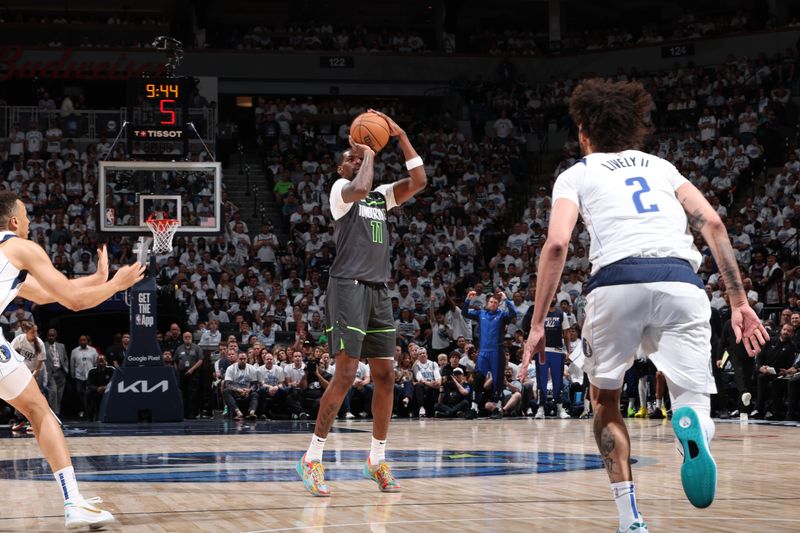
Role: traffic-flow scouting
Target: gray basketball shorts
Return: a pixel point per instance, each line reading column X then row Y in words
column 359, row 319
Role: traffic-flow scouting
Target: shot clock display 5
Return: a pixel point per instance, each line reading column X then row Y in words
column 166, row 94
column 158, row 110
column 158, row 101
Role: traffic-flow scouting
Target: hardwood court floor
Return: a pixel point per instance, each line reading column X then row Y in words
column 484, row 476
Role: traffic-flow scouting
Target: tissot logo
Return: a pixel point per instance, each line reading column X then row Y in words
column 142, row 387
column 158, row 134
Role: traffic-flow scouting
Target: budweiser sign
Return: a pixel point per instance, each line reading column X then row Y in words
column 69, row 64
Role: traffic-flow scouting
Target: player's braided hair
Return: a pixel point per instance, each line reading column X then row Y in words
column 613, row 114
column 8, row 201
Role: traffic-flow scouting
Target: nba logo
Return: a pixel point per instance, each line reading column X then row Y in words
column 110, row 218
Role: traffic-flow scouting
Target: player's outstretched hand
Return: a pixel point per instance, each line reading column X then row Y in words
column 129, row 275
column 394, row 129
column 360, row 150
column 534, row 344
column 102, row 263
column 748, row 329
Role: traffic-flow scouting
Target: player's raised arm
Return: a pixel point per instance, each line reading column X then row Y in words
column 361, row 159
column 703, row 218
column 405, row 188
column 27, row 255
column 33, row 291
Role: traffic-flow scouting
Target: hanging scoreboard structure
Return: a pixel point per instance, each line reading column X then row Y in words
column 158, row 113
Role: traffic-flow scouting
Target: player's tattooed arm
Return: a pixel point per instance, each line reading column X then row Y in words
column 704, row 219
column 697, row 220
column 729, row 270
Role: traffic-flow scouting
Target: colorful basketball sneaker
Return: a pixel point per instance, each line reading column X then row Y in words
column 79, row 513
column 699, row 471
column 313, row 476
column 382, row 475
column 637, row 527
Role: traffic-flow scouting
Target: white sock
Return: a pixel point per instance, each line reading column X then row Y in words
column 631, row 403
column 700, row 402
column 659, row 403
column 643, row 393
column 377, row 452
column 475, row 407
column 67, row 483
column 625, row 497
column 314, row 452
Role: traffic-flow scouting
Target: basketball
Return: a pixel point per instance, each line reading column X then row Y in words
column 370, row 129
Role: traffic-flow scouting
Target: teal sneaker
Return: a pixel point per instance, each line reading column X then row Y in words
column 382, row 475
column 313, row 476
column 699, row 471
column 639, row 527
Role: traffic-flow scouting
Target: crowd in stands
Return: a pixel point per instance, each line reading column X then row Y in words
column 324, row 36
column 81, row 29
column 253, row 342
column 690, row 26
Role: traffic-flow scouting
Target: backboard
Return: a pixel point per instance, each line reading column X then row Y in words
column 131, row 190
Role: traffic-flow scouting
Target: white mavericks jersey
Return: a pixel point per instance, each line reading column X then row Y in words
column 627, row 201
column 10, row 282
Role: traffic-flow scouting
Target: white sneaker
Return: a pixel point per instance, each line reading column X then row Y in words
column 80, row 513
column 539, row 413
column 529, row 412
column 746, row 398
column 349, row 416
column 422, row 413
column 562, row 413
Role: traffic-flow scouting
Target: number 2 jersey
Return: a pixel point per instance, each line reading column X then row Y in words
column 361, row 234
column 627, row 201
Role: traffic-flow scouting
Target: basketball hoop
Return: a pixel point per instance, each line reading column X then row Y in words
column 163, row 230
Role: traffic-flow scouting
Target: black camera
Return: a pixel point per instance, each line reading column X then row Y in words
column 311, row 366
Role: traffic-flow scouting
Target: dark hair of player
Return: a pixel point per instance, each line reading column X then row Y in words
column 611, row 113
column 8, row 201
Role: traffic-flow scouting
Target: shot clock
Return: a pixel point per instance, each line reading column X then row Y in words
column 158, row 109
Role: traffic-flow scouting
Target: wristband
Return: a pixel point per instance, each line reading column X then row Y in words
column 414, row 162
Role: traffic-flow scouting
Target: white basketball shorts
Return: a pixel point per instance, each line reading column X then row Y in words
column 666, row 321
column 14, row 375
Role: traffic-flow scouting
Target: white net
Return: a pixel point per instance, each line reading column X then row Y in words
column 163, row 230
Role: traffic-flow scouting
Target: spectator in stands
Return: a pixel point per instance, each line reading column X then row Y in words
column 57, row 366
column 172, row 338
column 777, row 355
column 96, row 385
column 241, row 385
column 116, row 353
column 82, row 360
column 454, row 398
column 272, row 386
column 428, row 380
column 189, row 359
column 296, row 384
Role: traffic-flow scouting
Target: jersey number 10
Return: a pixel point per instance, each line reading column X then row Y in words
column 637, row 196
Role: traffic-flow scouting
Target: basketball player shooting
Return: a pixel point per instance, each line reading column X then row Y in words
column 28, row 272
column 644, row 291
column 358, row 308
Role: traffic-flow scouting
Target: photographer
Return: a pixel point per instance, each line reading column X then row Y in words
column 317, row 380
column 454, row 399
